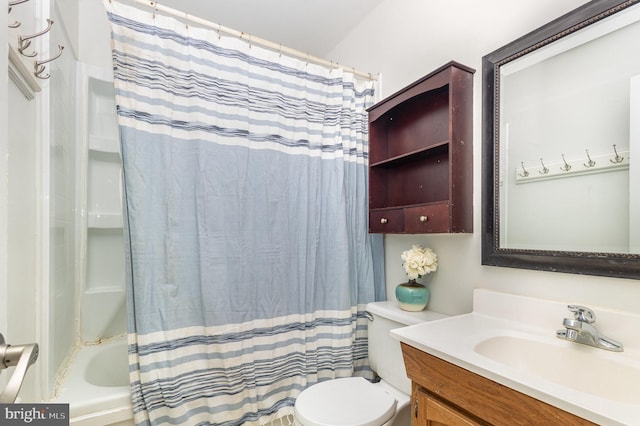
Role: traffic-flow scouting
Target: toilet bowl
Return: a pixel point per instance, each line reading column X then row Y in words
column 352, row 401
column 355, row 401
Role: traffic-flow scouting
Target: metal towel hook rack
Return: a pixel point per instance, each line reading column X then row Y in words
column 15, row 3
column 16, row 24
column 544, row 170
column 566, row 167
column 617, row 159
column 590, row 163
column 524, row 173
column 25, row 42
column 39, row 65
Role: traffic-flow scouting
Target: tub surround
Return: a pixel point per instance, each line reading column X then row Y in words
column 493, row 342
column 100, row 241
column 96, row 385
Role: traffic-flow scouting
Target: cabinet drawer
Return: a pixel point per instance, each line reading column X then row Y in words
column 433, row 218
column 386, row 221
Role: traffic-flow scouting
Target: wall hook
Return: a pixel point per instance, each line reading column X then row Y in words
column 617, row 159
column 16, row 24
column 39, row 65
column 544, row 170
column 524, row 173
column 25, row 42
column 15, row 3
column 566, row 166
column 589, row 163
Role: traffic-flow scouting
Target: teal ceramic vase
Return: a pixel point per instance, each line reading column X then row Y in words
column 412, row 296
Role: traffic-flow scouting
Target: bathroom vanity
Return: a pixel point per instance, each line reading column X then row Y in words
column 503, row 364
column 443, row 393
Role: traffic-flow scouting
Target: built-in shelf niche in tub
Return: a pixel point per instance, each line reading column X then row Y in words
column 103, row 304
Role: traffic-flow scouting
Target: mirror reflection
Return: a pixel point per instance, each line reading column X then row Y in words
column 561, row 136
column 566, row 124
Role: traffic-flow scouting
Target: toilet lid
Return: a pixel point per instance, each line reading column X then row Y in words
column 350, row 401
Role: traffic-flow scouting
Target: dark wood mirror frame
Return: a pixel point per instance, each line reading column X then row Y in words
column 589, row 263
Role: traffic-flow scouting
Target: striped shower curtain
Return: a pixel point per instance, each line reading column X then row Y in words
column 248, row 258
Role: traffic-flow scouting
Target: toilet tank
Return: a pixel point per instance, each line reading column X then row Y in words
column 385, row 355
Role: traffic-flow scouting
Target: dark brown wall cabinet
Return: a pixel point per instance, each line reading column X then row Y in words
column 421, row 156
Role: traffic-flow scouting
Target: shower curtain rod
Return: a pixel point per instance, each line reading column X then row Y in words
column 251, row 39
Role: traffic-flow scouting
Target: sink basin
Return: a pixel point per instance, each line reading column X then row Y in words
column 511, row 340
column 603, row 374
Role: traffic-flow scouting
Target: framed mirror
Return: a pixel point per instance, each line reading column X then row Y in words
column 561, row 141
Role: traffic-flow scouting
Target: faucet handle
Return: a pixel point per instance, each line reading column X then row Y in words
column 582, row 313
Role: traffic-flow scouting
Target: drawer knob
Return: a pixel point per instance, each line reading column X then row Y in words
column 423, row 218
column 383, row 220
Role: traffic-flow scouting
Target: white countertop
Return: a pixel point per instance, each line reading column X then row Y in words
column 454, row 339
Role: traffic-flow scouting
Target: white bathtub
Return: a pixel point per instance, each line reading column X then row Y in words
column 96, row 386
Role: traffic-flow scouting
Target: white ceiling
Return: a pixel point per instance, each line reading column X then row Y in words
column 311, row 26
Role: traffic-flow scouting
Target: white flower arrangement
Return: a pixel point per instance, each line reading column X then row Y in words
column 419, row 261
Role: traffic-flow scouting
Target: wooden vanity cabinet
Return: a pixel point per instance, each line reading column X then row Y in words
column 421, row 156
column 431, row 411
column 445, row 394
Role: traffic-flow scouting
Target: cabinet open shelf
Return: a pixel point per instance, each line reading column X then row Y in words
column 104, row 144
column 411, row 156
column 104, row 220
column 420, row 155
column 415, row 180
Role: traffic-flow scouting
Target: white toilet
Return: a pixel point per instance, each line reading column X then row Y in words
column 355, row 401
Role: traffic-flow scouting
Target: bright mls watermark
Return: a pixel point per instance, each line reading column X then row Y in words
column 34, row 414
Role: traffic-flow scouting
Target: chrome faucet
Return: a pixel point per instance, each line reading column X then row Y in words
column 580, row 329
